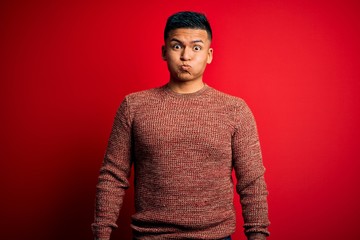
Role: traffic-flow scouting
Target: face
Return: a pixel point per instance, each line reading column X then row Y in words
column 187, row 52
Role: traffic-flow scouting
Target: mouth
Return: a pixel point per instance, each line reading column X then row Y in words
column 185, row 67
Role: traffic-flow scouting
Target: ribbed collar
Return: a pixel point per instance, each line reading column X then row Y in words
column 170, row 92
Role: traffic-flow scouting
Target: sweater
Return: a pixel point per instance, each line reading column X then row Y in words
column 183, row 148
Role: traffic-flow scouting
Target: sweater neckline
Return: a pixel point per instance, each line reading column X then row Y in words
column 170, row 92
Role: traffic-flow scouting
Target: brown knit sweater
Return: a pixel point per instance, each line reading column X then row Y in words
column 183, row 147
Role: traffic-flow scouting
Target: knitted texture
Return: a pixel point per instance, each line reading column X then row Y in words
column 184, row 148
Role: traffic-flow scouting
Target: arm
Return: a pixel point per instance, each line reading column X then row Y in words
column 249, row 170
column 114, row 174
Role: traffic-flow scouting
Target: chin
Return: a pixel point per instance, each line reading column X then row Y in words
column 184, row 79
column 178, row 78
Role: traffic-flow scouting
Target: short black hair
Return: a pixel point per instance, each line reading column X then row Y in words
column 187, row 19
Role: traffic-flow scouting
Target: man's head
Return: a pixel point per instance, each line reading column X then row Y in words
column 190, row 20
column 187, row 48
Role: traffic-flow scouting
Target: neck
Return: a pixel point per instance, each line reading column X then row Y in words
column 186, row 87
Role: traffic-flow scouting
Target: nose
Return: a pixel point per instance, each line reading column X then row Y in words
column 186, row 54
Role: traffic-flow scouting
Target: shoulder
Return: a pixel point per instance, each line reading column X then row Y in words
column 235, row 107
column 148, row 93
column 142, row 101
column 138, row 101
column 227, row 99
column 144, row 96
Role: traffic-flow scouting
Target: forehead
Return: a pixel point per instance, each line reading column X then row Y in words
column 188, row 34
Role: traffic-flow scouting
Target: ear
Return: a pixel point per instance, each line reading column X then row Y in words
column 210, row 56
column 163, row 53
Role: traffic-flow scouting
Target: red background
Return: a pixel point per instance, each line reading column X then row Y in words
column 66, row 65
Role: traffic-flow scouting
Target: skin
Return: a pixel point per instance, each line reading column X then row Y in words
column 187, row 53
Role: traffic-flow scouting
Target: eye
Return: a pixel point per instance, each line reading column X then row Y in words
column 197, row 48
column 177, row 47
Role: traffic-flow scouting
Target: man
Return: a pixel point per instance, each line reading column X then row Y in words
column 184, row 139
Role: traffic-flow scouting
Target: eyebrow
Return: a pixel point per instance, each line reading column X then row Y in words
column 194, row 41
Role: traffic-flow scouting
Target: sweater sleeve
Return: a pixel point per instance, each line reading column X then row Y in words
column 249, row 171
column 114, row 174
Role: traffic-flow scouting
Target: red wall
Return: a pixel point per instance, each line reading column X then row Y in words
column 66, row 65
